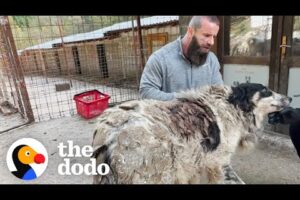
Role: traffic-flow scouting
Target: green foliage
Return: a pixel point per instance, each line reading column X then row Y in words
column 22, row 21
column 32, row 30
column 239, row 25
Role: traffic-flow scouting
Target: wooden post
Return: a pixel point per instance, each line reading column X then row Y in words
column 14, row 63
column 43, row 65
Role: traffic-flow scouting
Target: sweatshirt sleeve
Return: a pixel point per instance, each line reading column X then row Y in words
column 152, row 80
column 216, row 77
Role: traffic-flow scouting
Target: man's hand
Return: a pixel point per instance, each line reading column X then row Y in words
column 286, row 116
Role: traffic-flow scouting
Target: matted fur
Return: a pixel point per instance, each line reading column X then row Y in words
column 184, row 140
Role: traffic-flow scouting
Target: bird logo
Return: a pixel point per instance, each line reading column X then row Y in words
column 27, row 159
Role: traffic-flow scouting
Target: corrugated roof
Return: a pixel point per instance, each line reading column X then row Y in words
column 97, row 34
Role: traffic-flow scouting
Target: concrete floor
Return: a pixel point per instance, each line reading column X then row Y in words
column 50, row 134
column 10, row 121
column 47, row 103
column 270, row 163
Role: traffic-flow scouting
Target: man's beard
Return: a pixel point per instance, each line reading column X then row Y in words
column 194, row 53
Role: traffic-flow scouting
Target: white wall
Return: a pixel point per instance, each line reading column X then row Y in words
column 294, row 86
column 241, row 73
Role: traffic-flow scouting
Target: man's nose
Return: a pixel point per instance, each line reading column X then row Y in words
column 211, row 41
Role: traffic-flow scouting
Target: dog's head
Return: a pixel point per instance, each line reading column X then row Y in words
column 258, row 101
column 256, row 98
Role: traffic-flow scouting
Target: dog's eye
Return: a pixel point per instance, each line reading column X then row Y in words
column 265, row 93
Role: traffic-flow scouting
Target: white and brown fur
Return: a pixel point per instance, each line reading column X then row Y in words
column 179, row 141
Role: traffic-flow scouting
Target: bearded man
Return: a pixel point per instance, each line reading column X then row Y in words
column 183, row 64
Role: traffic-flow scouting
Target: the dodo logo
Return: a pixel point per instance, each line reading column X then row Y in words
column 27, row 159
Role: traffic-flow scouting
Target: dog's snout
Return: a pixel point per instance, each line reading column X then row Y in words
column 286, row 100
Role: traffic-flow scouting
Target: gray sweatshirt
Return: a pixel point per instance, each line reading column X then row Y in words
column 167, row 72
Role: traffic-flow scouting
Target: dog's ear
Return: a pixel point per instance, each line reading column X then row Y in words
column 240, row 98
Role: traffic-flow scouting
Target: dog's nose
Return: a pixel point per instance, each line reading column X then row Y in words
column 290, row 99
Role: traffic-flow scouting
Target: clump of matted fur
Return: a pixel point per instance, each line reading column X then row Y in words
column 181, row 141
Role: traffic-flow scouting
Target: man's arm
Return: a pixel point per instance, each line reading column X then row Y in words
column 216, row 77
column 152, row 80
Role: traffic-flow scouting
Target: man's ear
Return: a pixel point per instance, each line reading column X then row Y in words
column 190, row 32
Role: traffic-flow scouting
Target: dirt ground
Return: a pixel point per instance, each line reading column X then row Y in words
column 274, row 161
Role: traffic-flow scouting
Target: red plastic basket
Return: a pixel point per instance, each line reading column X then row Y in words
column 91, row 103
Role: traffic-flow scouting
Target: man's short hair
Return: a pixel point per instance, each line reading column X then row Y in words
column 197, row 20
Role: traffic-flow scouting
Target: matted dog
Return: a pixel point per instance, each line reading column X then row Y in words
column 179, row 141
